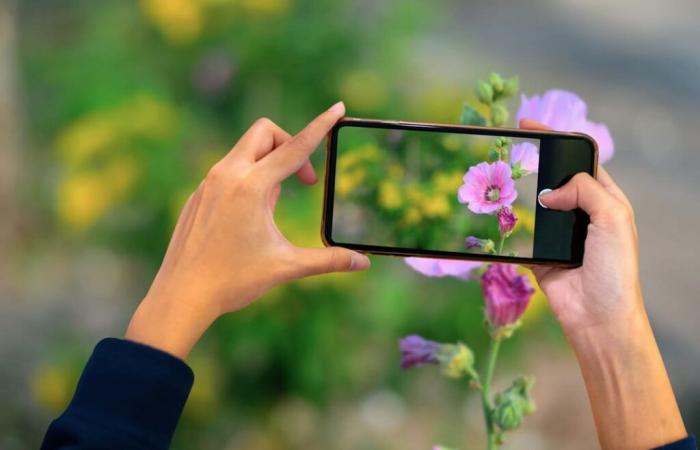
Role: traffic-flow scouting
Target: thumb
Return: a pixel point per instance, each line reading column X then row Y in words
column 584, row 192
column 315, row 261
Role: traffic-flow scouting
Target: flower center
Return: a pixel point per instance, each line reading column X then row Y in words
column 493, row 194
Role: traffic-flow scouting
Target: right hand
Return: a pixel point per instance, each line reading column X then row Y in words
column 606, row 287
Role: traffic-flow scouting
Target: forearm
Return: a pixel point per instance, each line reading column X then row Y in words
column 631, row 396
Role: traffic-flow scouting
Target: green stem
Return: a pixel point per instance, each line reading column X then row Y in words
column 494, row 346
column 500, row 244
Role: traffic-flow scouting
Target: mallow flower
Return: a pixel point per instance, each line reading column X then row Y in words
column 487, row 187
column 565, row 111
column 506, row 294
column 435, row 267
column 524, row 158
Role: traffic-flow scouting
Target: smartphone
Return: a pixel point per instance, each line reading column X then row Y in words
column 455, row 192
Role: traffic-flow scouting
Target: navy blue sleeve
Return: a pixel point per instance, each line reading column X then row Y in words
column 130, row 396
column 688, row 443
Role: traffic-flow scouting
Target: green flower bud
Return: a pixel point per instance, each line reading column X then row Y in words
column 513, row 404
column 484, row 92
column 507, row 416
column 499, row 115
column 517, row 170
column 511, row 87
column 494, row 154
column 456, row 360
column 496, row 82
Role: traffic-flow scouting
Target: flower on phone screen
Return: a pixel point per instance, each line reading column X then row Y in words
column 527, row 155
column 487, row 187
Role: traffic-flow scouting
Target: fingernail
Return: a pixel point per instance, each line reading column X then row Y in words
column 543, row 194
column 338, row 108
column 358, row 261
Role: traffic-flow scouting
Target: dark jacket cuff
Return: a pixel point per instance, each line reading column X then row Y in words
column 129, row 391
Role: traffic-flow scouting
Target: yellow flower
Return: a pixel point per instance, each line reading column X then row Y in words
column 447, row 183
column 411, row 217
column 363, row 90
column 52, row 386
column 435, row 207
column 346, row 183
column 92, row 136
column 83, row 198
column 146, row 116
column 180, row 21
column 87, row 138
column 389, row 195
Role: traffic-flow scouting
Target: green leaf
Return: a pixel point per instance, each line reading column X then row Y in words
column 471, row 116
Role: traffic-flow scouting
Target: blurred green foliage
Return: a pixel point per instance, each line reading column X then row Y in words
column 129, row 104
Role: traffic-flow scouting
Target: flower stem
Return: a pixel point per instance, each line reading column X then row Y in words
column 500, row 244
column 494, row 346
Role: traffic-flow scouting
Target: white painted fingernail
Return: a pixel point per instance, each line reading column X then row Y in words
column 539, row 197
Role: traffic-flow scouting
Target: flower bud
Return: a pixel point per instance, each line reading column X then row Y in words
column 417, row 351
column 456, row 360
column 486, row 245
column 513, row 404
column 484, row 92
column 499, row 115
column 511, row 86
column 506, row 220
column 506, row 294
column 496, row 82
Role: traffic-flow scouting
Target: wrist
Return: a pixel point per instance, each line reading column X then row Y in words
column 168, row 324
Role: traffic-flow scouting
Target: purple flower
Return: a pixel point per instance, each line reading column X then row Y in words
column 474, row 242
column 565, row 111
column 416, row 351
column 506, row 220
column 506, row 294
column 433, row 267
column 487, row 187
column 527, row 155
column 486, row 245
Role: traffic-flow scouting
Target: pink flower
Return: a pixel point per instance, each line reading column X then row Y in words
column 487, row 187
column 443, row 267
column 527, row 155
column 506, row 293
column 506, row 220
column 565, row 111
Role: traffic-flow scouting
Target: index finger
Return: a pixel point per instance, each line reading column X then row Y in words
column 290, row 157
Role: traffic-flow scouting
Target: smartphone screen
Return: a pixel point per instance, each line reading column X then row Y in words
column 451, row 191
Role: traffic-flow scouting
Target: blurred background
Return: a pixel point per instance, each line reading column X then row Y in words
column 112, row 111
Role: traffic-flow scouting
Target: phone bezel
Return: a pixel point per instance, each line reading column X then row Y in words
column 329, row 194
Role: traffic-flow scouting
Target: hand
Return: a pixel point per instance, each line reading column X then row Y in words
column 606, row 288
column 601, row 309
column 226, row 250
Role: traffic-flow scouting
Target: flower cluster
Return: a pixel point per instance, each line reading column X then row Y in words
column 489, row 189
